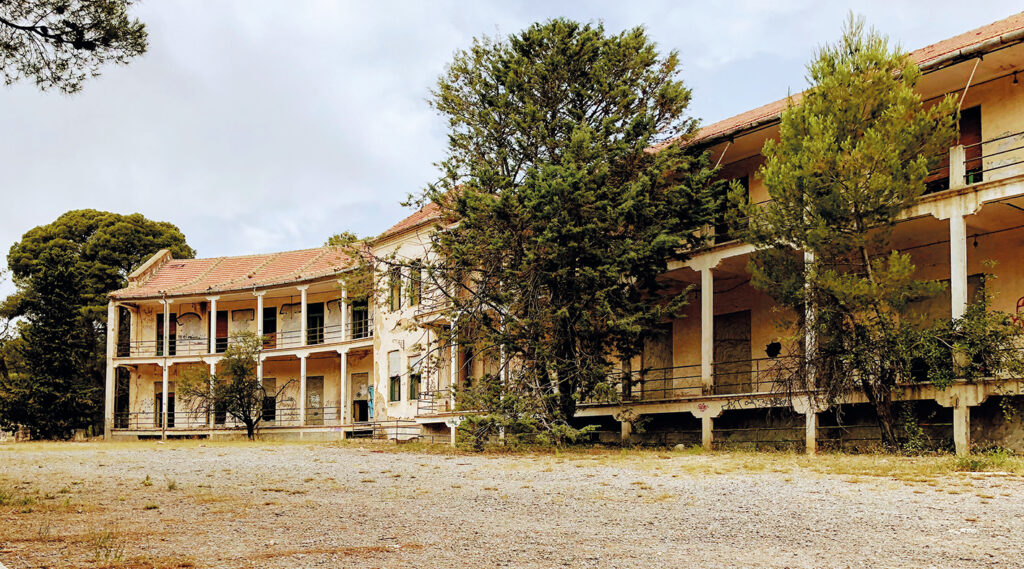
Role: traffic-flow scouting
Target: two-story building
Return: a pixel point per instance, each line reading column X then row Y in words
column 705, row 378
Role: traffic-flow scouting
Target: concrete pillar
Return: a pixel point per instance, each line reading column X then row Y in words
column 303, row 316
column 111, row 383
column 164, row 399
column 167, row 328
column 707, row 328
column 811, row 432
column 627, row 430
column 346, row 334
column 958, row 263
column 259, row 313
column 962, row 428
column 957, row 167
column 213, row 323
column 166, row 365
column 344, row 404
column 302, row 390
column 451, row 430
column 707, row 425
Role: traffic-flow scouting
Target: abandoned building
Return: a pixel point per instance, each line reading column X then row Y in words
column 350, row 367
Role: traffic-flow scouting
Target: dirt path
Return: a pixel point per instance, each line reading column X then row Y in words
column 187, row 505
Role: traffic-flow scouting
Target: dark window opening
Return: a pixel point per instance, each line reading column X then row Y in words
column 222, row 331
column 314, row 323
column 269, row 327
column 360, row 320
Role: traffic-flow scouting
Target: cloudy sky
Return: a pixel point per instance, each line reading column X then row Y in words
column 258, row 126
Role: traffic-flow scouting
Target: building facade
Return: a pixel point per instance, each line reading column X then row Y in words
column 351, row 368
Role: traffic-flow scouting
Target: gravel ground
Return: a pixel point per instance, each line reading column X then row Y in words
column 293, row 505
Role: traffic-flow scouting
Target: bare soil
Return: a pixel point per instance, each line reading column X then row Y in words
column 150, row 505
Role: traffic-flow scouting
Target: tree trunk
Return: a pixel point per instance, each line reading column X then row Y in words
column 880, row 398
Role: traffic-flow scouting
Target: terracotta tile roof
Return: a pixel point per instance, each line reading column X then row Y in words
column 924, row 57
column 184, row 277
column 429, row 212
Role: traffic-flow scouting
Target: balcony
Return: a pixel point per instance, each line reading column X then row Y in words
column 289, row 339
column 185, row 420
column 757, row 376
column 436, row 402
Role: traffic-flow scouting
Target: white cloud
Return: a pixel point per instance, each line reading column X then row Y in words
column 257, row 125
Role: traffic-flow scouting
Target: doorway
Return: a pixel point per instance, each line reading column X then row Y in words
column 158, row 390
column 732, row 352
column 360, row 405
column 315, row 400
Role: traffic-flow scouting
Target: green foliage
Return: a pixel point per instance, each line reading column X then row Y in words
column 980, row 344
column 61, row 43
column 358, row 279
column 234, row 388
column 852, row 154
column 63, row 272
column 56, row 393
column 103, row 248
column 564, row 217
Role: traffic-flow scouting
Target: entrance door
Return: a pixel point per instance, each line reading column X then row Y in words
column 657, row 365
column 315, row 400
column 159, row 406
column 122, row 410
column 269, row 408
column 360, row 407
column 732, row 352
column 222, row 331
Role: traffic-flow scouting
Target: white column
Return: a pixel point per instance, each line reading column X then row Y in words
column 811, row 432
column 345, row 334
column 213, row 324
column 962, row 428
column 163, row 398
column 303, row 289
column 302, row 390
column 167, row 327
column 958, row 263
column 111, row 384
column 166, row 366
column 344, row 404
column 259, row 313
column 707, row 328
column 707, row 425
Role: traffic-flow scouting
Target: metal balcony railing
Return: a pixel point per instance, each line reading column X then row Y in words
column 279, row 416
column 753, row 376
column 434, row 402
